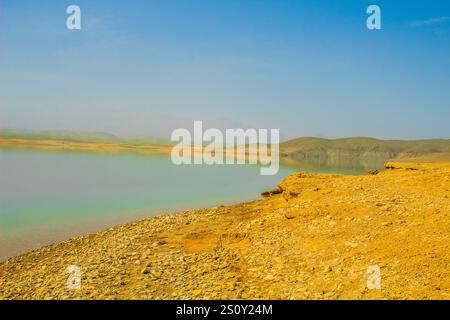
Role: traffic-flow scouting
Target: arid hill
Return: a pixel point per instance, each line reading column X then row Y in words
column 363, row 148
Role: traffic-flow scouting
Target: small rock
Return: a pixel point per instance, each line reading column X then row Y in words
column 196, row 293
column 159, row 243
column 289, row 216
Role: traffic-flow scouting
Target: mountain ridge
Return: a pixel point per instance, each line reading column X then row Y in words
column 300, row 149
column 361, row 147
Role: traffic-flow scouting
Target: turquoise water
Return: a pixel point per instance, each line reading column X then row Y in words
column 52, row 196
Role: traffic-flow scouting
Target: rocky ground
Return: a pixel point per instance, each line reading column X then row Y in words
column 316, row 238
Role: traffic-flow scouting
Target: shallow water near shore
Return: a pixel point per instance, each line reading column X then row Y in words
column 52, row 196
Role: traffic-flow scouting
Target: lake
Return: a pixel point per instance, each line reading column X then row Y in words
column 52, row 196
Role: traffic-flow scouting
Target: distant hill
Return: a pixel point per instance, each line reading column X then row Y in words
column 366, row 148
column 369, row 152
column 57, row 135
column 81, row 137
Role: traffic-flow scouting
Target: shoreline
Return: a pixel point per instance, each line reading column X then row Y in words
column 156, row 214
column 314, row 239
column 81, row 146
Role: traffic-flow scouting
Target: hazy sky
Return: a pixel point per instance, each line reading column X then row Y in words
column 306, row 67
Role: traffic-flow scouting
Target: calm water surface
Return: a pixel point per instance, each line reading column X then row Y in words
column 52, row 196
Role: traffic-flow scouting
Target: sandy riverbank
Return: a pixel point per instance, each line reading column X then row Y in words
column 81, row 146
column 314, row 240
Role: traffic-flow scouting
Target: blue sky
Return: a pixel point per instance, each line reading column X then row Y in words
column 309, row 68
